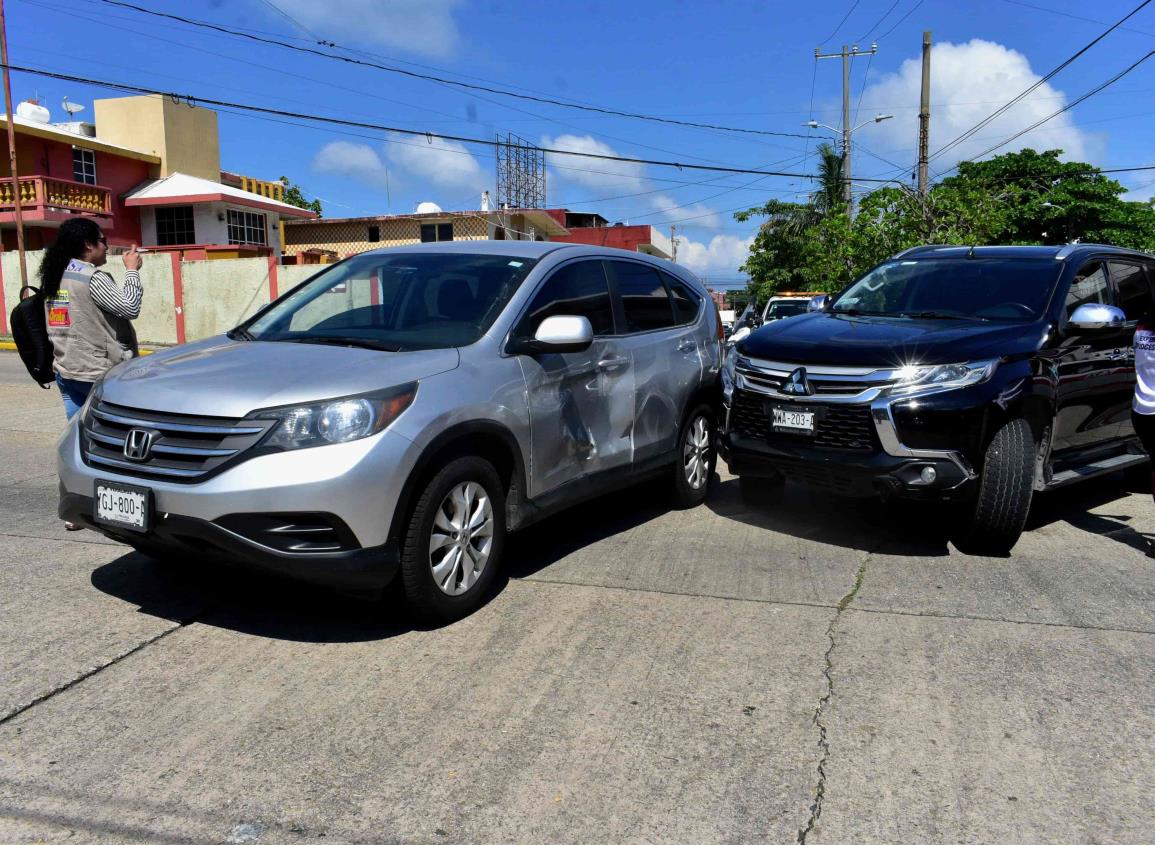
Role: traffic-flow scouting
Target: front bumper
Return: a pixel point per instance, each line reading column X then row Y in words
column 356, row 486
column 357, row 570
column 890, row 469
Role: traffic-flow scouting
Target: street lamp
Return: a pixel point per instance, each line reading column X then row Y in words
column 847, row 131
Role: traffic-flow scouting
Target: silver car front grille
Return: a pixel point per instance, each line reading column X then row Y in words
column 179, row 448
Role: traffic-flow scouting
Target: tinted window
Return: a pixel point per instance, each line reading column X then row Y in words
column 644, row 297
column 686, row 301
column 1088, row 286
column 1134, row 294
column 577, row 289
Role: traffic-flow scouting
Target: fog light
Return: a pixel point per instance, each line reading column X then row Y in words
column 928, row 475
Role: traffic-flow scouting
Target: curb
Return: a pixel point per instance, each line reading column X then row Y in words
column 10, row 346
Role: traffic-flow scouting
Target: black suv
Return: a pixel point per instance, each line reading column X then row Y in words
column 971, row 375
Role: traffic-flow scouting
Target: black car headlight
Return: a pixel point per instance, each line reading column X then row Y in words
column 335, row 420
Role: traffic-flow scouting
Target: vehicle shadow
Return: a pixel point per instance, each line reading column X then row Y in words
column 230, row 597
column 920, row 529
column 911, row 528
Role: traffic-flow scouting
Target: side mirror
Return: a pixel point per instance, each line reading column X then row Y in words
column 819, row 303
column 1094, row 316
column 560, row 333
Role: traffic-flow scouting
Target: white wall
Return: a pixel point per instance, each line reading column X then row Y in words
column 208, row 228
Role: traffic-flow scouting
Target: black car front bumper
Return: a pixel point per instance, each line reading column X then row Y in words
column 351, row 568
column 850, row 473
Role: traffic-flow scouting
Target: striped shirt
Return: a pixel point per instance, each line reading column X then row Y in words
column 114, row 300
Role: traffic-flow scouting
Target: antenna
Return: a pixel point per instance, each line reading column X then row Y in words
column 72, row 108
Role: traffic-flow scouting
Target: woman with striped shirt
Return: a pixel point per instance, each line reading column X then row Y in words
column 87, row 313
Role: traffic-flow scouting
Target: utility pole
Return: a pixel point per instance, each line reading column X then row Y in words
column 846, row 55
column 12, row 147
column 924, row 118
column 673, row 235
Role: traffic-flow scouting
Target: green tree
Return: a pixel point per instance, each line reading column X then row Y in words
column 1024, row 197
column 294, row 196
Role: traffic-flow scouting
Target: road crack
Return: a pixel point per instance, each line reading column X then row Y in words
column 67, row 685
column 828, row 673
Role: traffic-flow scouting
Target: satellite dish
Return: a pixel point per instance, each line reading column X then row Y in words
column 72, row 108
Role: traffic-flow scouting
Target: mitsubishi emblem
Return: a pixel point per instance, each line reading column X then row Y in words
column 796, row 384
column 138, row 444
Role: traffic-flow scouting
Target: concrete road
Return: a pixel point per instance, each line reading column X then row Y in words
column 829, row 672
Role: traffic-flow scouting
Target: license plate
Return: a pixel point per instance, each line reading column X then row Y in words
column 785, row 419
column 125, row 507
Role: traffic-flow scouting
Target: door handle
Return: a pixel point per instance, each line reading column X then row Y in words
column 615, row 362
column 686, row 346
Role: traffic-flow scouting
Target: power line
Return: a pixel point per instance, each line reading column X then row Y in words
column 1003, row 109
column 1058, row 112
column 878, row 22
column 444, row 81
column 898, row 23
column 1075, row 17
column 344, row 88
column 845, row 18
column 193, row 100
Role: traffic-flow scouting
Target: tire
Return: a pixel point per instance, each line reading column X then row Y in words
column 439, row 585
column 995, row 518
column 696, row 457
column 761, row 492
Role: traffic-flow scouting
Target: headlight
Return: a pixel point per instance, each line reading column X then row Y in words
column 936, row 377
column 335, row 421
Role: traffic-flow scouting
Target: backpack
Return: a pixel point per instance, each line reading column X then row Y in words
column 30, row 332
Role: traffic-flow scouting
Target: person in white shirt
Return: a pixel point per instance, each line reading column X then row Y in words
column 1143, row 405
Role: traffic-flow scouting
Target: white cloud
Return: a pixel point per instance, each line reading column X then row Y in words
column 591, row 172
column 723, row 255
column 425, row 27
column 351, row 161
column 441, row 164
column 968, row 82
column 700, row 213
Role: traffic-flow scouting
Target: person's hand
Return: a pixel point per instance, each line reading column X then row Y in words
column 132, row 259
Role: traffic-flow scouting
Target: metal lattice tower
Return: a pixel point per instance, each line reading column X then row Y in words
column 520, row 173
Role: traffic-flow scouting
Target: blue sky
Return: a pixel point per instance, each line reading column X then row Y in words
column 739, row 64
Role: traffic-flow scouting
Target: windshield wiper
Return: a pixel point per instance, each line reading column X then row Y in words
column 239, row 333
column 858, row 312
column 939, row 315
column 363, row 343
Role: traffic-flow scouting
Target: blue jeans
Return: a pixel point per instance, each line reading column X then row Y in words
column 74, row 392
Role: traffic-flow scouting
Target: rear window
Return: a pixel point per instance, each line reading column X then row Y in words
column 1002, row 289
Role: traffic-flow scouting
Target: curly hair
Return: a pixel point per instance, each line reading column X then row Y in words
column 72, row 240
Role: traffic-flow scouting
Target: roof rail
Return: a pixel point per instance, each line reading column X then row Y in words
column 914, row 250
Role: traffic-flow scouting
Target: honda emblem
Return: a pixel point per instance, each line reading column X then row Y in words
column 138, row 444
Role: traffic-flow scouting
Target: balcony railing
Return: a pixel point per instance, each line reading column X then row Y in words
column 43, row 193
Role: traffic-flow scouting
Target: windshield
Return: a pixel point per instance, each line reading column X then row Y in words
column 1009, row 289
column 786, row 309
column 396, row 302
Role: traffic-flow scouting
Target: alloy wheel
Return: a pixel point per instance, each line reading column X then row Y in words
column 696, row 453
column 461, row 539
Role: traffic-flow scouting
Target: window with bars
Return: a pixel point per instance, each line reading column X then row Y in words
column 432, row 232
column 246, row 227
column 83, row 166
column 174, row 226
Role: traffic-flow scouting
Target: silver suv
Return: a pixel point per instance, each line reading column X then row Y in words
column 401, row 411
